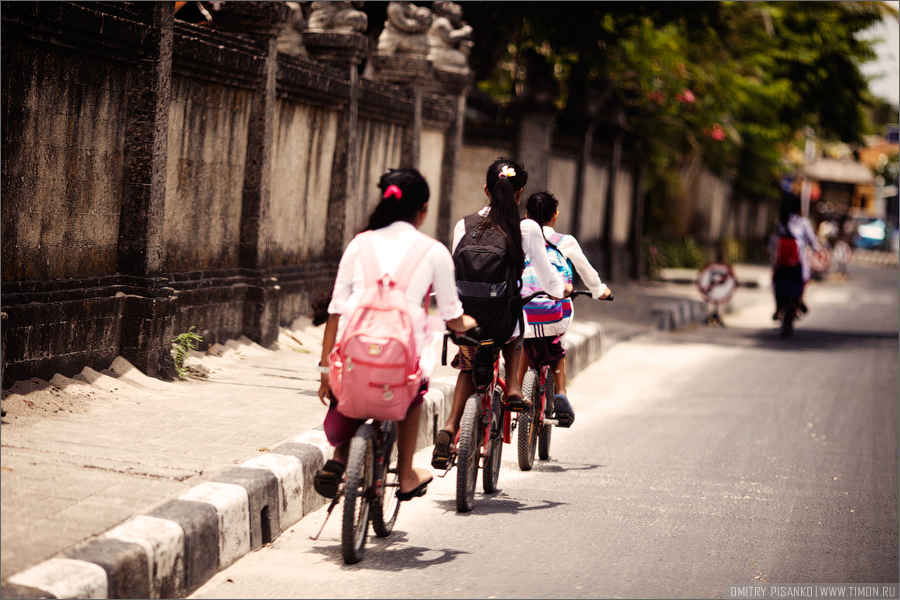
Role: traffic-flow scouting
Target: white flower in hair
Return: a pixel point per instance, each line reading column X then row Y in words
column 507, row 171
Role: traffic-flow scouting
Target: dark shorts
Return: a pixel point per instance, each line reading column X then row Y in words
column 548, row 350
column 465, row 356
column 340, row 428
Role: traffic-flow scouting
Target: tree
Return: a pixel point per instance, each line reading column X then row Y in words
column 722, row 84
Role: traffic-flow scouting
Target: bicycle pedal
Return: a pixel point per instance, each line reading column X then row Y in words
column 443, row 472
column 551, row 422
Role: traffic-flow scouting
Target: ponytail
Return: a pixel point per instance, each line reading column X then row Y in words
column 504, row 179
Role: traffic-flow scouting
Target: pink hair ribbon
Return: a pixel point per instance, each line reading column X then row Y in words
column 392, row 190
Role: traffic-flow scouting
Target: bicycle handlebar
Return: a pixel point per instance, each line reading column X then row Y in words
column 573, row 294
column 472, row 337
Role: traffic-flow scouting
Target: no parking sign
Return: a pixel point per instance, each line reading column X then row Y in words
column 716, row 282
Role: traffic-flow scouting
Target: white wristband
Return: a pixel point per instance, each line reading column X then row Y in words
column 322, row 369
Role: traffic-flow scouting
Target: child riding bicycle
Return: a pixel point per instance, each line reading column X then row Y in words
column 496, row 233
column 394, row 225
column 549, row 319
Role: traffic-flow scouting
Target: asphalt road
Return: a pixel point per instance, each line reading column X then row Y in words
column 710, row 457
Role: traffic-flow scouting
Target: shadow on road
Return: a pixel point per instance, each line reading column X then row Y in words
column 390, row 554
column 491, row 504
column 804, row 339
column 823, row 339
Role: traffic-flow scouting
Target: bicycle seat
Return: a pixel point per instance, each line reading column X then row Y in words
column 472, row 337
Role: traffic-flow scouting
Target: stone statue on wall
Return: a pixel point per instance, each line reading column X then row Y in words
column 406, row 29
column 290, row 40
column 337, row 17
column 449, row 38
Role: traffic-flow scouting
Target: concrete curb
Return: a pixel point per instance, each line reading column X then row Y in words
column 176, row 547
column 674, row 314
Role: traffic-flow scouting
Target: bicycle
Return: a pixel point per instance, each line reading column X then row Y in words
column 788, row 288
column 788, row 315
column 484, row 426
column 370, row 487
column 535, row 426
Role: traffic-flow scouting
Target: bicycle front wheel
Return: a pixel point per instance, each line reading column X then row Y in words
column 528, row 435
column 357, row 493
column 491, row 473
column 385, row 505
column 467, row 454
column 547, row 429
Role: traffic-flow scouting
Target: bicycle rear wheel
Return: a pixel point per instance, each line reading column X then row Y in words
column 491, row 473
column 385, row 505
column 467, row 454
column 357, row 493
column 528, row 437
column 547, row 430
column 787, row 320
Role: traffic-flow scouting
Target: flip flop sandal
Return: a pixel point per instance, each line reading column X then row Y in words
column 440, row 458
column 416, row 493
column 328, row 479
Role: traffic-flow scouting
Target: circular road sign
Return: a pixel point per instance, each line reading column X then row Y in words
column 716, row 282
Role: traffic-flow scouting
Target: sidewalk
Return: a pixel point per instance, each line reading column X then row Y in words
column 116, row 485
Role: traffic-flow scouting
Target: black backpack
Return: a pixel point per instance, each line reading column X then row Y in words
column 487, row 285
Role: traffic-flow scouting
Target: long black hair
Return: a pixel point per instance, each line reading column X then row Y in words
column 504, row 179
column 403, row 194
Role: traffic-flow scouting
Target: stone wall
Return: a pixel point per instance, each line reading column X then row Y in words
column 159, row 175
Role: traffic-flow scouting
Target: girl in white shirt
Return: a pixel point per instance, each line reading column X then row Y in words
column 395, row 222
column 503, row 187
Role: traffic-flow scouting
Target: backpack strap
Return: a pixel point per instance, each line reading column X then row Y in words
column 366, row 241
column 371, row 272
column 472, row 222
column 555, row 239
column 412, row 258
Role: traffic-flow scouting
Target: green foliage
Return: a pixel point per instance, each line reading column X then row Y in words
column 719, row 84
column 181, row 346
column 734, row 250
column 682, row 253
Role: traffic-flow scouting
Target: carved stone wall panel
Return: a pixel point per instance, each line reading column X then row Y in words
column 380, row 147
column 61, row 164
column 84, row 27
column 304, row 80
column 433, row 143
column 385, row 102
column 207, row 145
column 305, row 139
column 222, row 57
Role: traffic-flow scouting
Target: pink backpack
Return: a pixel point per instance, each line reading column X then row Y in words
column 374, row 368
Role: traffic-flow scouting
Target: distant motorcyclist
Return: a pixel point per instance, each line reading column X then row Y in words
column 791, row 270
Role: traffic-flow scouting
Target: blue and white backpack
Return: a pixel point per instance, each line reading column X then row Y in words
column 545, row 316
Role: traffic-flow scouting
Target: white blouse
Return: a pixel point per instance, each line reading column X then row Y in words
column 571, row 249
column 435, row 270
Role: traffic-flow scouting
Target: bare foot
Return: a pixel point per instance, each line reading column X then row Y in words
column 421, row 476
